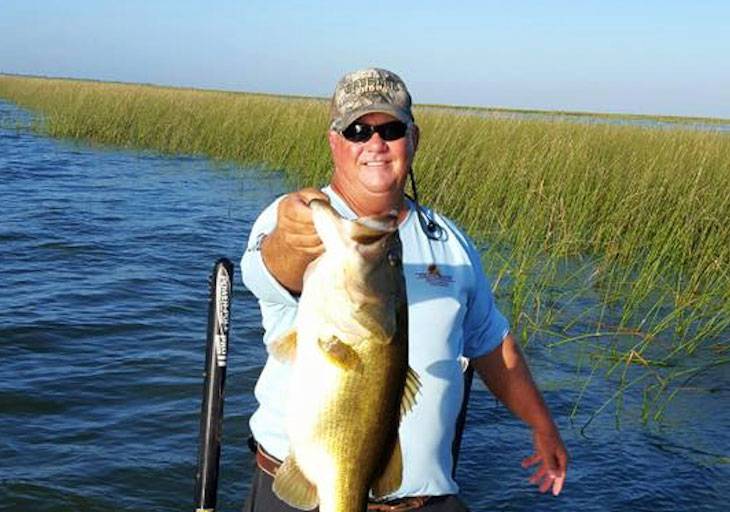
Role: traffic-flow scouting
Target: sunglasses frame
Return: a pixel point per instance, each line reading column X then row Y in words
column 381, row 129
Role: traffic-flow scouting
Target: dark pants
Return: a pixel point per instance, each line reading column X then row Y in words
column 263, row 499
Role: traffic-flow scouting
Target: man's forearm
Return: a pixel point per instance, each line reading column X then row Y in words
column 507, row 376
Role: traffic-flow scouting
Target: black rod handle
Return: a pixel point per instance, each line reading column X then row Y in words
column 216, row 360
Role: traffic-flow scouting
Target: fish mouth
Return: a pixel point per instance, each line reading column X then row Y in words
column 364, row 231
column 368, row 230
column 373, row 235
column 371, row 226
column 316, row 202
column 320, row 206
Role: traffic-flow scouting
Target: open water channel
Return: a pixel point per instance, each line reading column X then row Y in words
column 104, row 261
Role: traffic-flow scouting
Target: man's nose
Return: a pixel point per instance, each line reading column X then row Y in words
column 376, row 143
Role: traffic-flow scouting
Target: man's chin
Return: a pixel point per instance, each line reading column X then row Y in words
column 378, row 181
column 380, row 188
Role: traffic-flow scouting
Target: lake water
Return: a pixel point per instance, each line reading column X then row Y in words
column 104, row 261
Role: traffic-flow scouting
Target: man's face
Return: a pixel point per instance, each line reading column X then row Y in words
column 374, row 169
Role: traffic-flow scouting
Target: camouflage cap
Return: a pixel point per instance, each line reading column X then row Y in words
column 367, row 91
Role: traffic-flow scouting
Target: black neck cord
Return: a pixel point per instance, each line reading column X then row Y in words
column 428, row 225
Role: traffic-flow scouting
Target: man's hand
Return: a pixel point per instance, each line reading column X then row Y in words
column 294, row 243
column 552, row 458
column 505, row 372
column 294, row 226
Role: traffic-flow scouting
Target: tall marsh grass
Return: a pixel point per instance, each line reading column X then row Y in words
column 614, row 235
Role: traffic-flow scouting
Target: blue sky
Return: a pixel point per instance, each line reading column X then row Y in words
column 653, row 57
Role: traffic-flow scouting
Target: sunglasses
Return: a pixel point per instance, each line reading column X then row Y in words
column 361, row 132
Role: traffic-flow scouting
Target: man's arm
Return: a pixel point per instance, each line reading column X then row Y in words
column 294, row 243
column 505, row 372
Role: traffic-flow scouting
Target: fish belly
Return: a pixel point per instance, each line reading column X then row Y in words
column 343, row 423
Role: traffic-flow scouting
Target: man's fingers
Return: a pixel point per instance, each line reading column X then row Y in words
column 546, row 482
column 303, row 240
column 547, row 475
column 544, row 479
column 558, row 484
column 538, row 475
column 531, row 460
column 294, row 209
column 311, row 246
column 294, row 222
column 295, row 206
column 307, row 194
column 299, row 203
column 559, row 472
column 553, row 458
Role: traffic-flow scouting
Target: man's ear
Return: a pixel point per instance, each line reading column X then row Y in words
column 332, row 138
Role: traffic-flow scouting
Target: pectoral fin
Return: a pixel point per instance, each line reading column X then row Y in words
column 410, row 390
column 390, row 480
column 284, row 348
column 339, row 353
column 293, row 488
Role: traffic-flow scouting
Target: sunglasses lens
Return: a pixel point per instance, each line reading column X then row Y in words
column 392, row 131
column 361, row 132
column 358, row 132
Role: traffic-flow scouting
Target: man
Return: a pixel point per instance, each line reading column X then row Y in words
column 373, row 139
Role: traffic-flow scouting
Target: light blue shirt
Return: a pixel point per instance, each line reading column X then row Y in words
column 451, row 315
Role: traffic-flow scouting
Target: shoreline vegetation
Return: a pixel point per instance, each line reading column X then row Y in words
column 613, row 237
column 680, row 121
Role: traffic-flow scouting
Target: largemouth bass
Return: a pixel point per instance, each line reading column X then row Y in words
column 350, row 378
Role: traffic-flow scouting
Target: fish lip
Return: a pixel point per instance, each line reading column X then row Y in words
column 386, row 224
column 321, row 204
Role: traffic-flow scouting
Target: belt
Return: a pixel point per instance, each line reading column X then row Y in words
column 400, row 504
column 269, row 464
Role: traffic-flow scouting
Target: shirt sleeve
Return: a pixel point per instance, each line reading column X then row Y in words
column 256, row 277
column 484, row 325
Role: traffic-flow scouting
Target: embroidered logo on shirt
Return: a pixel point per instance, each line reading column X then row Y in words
column 434, row 277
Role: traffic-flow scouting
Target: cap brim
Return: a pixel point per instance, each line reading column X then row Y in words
column 382, row 108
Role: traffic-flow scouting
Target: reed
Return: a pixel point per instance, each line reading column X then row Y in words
column 619, row 231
